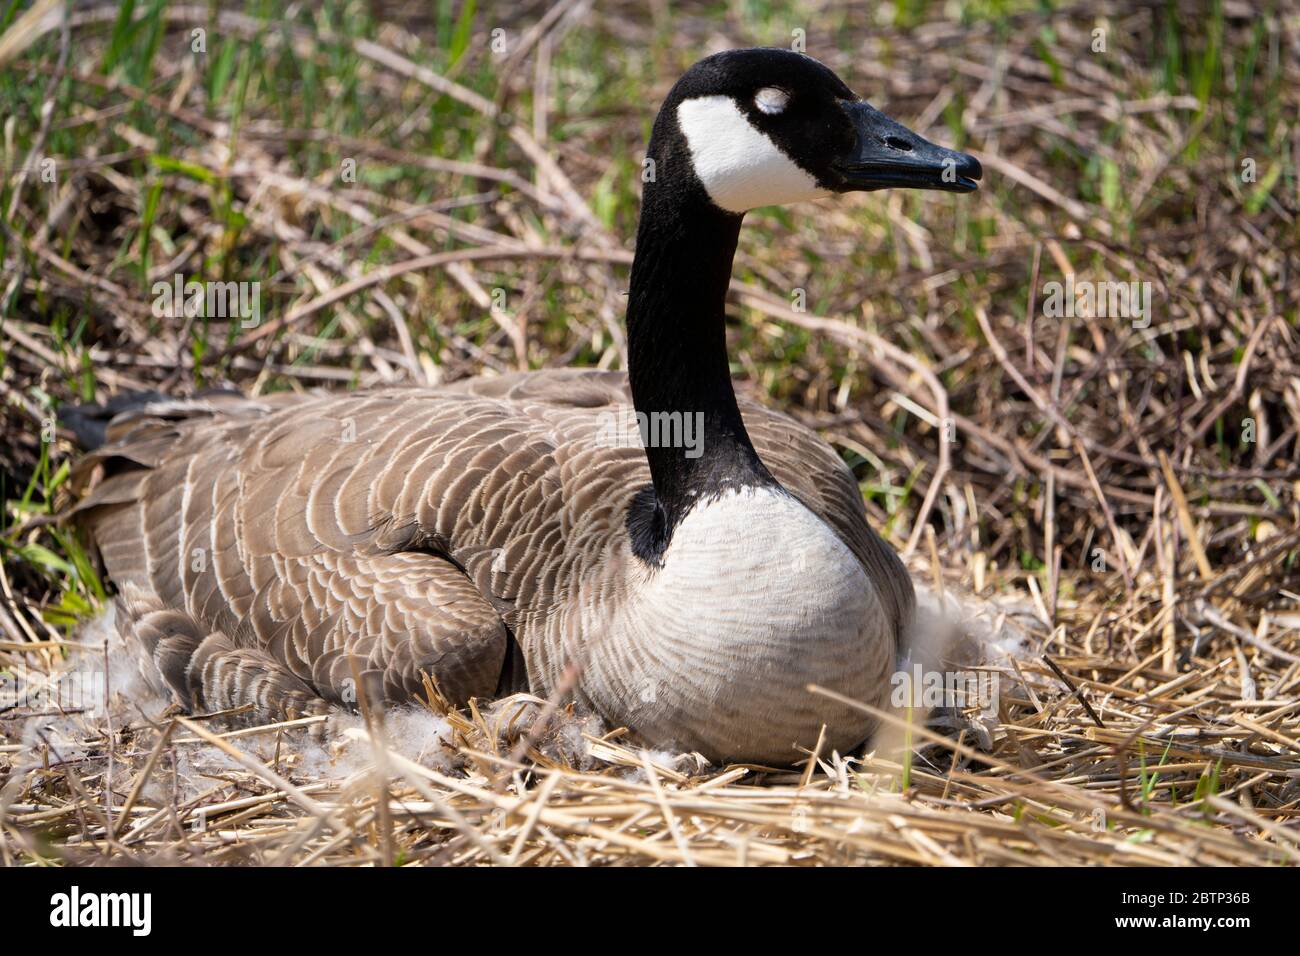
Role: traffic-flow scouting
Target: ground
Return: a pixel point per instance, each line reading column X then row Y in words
column 423, row 192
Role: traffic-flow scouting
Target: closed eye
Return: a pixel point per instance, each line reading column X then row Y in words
column 771, row 100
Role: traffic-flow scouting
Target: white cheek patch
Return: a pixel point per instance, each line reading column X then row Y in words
column 740, row 167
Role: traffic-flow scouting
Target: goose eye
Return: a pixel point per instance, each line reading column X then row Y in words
column 770, row 100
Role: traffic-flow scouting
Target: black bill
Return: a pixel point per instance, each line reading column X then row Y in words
column 889, row 155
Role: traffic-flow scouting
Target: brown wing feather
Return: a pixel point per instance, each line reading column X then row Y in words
column 311, row 540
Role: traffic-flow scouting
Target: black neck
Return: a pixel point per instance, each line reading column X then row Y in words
column 677, row 355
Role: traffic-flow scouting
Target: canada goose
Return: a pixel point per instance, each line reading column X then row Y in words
column 271, row 551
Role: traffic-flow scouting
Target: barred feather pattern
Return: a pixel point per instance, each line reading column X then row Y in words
column 295, row 551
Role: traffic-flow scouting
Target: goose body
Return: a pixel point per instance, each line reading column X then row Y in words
column 294, row 552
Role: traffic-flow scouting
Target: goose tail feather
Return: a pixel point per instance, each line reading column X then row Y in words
column 95, row 425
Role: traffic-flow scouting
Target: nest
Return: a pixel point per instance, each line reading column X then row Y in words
column 1130, row 490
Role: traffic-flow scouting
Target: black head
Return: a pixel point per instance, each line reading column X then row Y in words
column 768, row 126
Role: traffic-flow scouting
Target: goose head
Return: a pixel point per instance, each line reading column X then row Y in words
column 762, row 127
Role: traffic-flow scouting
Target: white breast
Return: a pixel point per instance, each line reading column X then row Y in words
column 763, row 544
column 757, row 598
column 740, row 167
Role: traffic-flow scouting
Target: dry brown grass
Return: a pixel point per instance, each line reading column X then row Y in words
column 1098, row 480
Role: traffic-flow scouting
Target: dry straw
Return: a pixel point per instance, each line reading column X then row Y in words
column 1155, row 718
